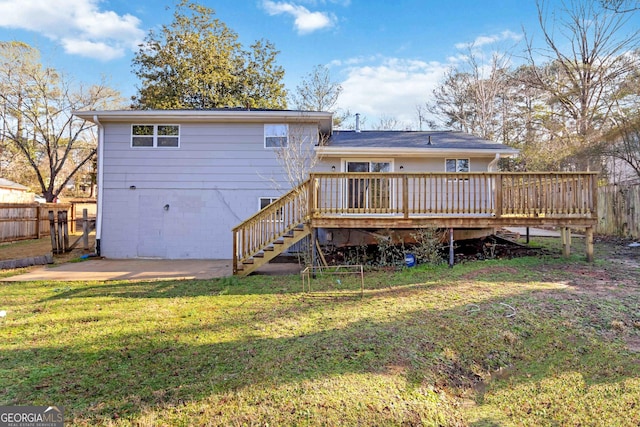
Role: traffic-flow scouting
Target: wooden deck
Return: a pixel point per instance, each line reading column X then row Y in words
column 418, row 200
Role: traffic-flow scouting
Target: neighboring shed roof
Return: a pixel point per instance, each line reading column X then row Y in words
column 411, row 142
column 5, row 183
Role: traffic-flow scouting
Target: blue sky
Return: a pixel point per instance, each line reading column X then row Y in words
column 388, row 55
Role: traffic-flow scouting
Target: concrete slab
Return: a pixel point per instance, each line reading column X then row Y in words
column 128, row 269
column 143, row 269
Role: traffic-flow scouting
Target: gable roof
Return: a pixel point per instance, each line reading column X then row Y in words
column 5, row 183
column 410, row 143
column 215, row 115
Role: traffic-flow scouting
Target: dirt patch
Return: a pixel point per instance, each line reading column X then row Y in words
column 493, row 247
column 604, row 294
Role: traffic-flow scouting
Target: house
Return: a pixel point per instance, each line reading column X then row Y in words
column 407, row 152
column 212, row 184
column 12, row 192
column 173, row 184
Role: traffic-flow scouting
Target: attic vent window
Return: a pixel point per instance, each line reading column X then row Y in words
column 276, row 135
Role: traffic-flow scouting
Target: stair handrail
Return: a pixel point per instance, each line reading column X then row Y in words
column 270, row 223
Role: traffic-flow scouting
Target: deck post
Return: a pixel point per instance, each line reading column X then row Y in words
column 235, row 252
column 594, row 196
column 314, row 243
column 565, row 232
column 589, row 243
column 451, row 254
column 405, row 196
column 498, row 196
column 310, row 193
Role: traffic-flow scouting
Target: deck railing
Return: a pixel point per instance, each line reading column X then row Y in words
column 496, row 194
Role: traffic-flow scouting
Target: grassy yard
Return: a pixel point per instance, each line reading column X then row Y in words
column 528, row 341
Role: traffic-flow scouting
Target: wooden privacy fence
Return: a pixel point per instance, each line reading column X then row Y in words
column 77, row 207
column 619, row 210
column 21, row 221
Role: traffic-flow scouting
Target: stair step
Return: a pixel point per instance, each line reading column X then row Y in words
column 269, row 252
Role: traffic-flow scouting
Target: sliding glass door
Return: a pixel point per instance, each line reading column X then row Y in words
column 368, row 193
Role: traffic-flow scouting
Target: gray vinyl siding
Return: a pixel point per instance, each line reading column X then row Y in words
column 210, row 155
column 425, row 164
column 211, row 183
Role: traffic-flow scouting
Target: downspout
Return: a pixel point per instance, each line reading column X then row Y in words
column 493, row 164
column 100, row 182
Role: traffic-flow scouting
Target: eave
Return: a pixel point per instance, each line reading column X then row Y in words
column 324, row 151
column 210, row 116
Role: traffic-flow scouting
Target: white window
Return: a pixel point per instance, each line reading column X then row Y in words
column 457, row 165
column 276, row 136
column 266, row 201
column 155, row 136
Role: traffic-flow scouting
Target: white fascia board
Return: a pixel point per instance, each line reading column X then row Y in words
column 213, row 116
column 412, row 152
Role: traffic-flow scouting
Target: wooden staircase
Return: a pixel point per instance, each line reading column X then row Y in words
column 271, row 231
column 268, row 253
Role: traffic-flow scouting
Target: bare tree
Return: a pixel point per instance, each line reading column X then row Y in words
column 625, row 144
column 317, row 91
column 472, row 96
column 421, row 115
column 298, row 157
column 586, row 59
column 387, row 123
column 37, row 121
column 621, row 6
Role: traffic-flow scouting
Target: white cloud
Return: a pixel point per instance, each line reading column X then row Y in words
column 78, row 25
column 382, row 87
column 96, row 50
column 305, row 21
column 392, row 87
column 353, row 61
column 345, row 3
column 491, row 39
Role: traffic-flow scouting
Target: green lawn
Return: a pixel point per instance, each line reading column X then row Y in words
column 528, row 341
